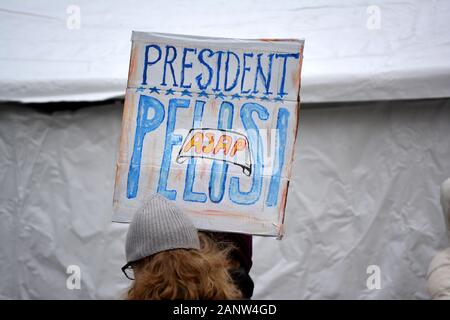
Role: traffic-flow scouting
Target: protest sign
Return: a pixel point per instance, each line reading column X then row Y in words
column 210, row 124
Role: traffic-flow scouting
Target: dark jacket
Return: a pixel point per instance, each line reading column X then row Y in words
column 242, row 253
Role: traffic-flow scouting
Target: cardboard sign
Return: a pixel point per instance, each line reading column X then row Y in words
column 210, row 124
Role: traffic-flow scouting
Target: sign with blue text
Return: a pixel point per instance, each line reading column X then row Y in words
column 210, row 124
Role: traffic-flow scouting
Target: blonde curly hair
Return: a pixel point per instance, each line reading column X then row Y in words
column 188, row 274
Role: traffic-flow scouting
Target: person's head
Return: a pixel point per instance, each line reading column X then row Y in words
column 169, row 259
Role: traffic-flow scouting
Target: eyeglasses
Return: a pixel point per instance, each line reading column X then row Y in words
column 128, row 271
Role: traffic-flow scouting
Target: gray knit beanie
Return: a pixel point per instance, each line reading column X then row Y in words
column 158, row 226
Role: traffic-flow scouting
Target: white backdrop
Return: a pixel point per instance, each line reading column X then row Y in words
column 365, row 188
column 365, row 191
column 54, row 50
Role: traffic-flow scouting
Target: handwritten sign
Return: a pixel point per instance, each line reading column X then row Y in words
column 210, row 124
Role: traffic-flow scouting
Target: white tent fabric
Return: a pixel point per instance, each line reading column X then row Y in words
column 354, row 51
column 365, row 191
column 365, row 188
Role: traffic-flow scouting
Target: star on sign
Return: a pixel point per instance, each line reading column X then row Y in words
column 236, row 96
column 169, row 92
column 203, row 94
column 278, row 99
column 154, row 89
column 220, row 95
column 186, row 92
column 140, row 89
